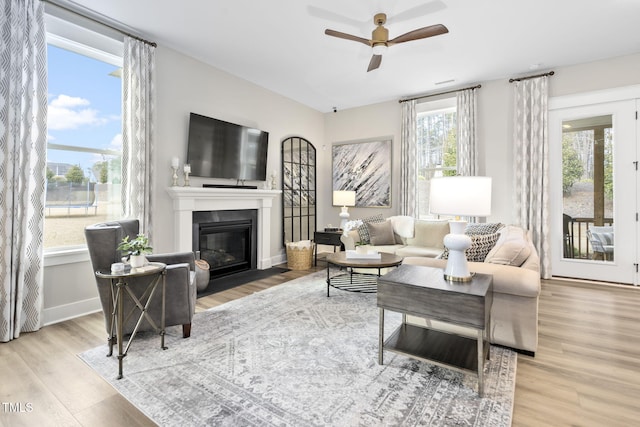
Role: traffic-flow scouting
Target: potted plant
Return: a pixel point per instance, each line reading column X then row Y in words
column 136, row 248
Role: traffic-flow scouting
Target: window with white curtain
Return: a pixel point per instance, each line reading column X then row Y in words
column 436, row 146
column 84, row 140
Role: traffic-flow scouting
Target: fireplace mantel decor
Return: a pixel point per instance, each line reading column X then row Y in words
column 187, row 200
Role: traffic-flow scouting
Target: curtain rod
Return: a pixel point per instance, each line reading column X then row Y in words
column 439, row 93
column 97, row 21
column 550, row 73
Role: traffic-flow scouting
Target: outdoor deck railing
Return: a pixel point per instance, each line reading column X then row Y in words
column 577, row 243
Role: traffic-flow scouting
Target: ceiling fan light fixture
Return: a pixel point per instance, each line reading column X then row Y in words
column 379, row 48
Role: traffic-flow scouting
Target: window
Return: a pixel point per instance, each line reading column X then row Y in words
column 436, row 146
column 84, row 147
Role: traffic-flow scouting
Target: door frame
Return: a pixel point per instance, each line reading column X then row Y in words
column 624, row 267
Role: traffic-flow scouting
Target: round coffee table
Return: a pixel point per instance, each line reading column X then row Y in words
column 358, row 282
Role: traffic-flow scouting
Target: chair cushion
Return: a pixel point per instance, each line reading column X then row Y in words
column 381, row 233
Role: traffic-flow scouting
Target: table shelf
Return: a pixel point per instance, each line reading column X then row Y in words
column 432, row 346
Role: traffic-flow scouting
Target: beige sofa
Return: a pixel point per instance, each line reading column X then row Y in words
column 514, row 264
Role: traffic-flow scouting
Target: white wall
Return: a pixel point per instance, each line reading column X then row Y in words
column 495, row 130
column 186, row 85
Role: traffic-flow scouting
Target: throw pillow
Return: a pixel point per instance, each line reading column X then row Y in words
column 363, row 230
column 512, row 248
column 481, row 244
column 402, row 225
column 475, row 228
column 429, row 233
column 381, row 233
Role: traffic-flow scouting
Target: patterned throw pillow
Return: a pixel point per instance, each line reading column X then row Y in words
column 481, row 244
column 474, row 228
column 363, row 230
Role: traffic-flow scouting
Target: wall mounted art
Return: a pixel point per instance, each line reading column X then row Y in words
column 364, row 167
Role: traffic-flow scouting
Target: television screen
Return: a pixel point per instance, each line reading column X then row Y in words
column 219, row 149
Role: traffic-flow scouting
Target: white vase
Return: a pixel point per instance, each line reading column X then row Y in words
column 137, row 261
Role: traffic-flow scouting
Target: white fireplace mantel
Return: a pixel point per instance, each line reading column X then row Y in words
column 187, row 200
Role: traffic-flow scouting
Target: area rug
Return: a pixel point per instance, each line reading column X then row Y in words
column 291, row 356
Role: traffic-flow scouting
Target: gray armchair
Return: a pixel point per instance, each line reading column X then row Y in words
column 103, row 240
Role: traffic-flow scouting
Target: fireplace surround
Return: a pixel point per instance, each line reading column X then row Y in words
column 187, row 200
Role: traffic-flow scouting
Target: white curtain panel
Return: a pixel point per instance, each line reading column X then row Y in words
column 531, row 163
column 408, row 165
column 23, row 151
column 467, row 116
column 138, row 115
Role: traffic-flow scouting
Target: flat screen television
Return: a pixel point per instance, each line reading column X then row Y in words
column 219, row 149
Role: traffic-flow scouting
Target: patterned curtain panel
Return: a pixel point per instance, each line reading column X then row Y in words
column 23, row 149
column 531, row 163
column 408, row 167
column 466, row 113
column 138, row 115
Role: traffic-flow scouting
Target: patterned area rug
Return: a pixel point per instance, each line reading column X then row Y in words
column 290, row 356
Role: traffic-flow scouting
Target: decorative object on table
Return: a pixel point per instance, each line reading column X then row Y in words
column 274, row 176
column 344, row 199
column 187, row 171
column 458, row 196
column 362, row 253
column 175, row 163
column 365, row 166
column 136, row 248
column 299, row 255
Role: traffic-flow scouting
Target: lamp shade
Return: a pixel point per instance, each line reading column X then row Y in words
column 460, row 196
column 344, row 198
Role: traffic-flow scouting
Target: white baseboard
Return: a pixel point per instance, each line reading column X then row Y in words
column 70, row 311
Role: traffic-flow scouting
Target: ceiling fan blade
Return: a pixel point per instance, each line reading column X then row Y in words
column 420, row 33
column 375, row 62
column 347, row 36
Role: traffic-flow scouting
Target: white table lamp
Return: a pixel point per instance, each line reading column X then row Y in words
column 458, row 196
column 344, row 199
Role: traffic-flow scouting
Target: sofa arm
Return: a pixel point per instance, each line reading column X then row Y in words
column 350, row 240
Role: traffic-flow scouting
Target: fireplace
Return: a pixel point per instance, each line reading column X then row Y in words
column 226, row 240
column 187, row 200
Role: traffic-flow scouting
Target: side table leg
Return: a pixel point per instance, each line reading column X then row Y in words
column 328, row 280
column 480, row 363
column 164, row 299
column 381, row 337
column 119, row 325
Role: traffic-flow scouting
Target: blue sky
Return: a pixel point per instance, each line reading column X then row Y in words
column 84, row 106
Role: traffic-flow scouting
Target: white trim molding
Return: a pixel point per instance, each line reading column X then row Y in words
column 187, row 200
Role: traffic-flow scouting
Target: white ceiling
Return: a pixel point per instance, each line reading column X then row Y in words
column 280, row 44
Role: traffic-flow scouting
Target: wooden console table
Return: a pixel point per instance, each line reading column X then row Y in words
column 423, row 292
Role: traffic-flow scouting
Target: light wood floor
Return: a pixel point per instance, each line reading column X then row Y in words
column 586, row 371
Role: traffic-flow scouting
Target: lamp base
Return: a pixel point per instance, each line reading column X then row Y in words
column 457, row 268
column 344, row 214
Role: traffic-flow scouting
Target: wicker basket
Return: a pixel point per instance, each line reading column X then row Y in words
column 299, row 258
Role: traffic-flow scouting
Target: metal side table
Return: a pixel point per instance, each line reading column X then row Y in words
column 120, row 289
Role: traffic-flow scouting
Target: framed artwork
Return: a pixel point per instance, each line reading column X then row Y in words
column 364, row 167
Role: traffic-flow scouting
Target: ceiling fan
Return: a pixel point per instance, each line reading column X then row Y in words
column 380, row 37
